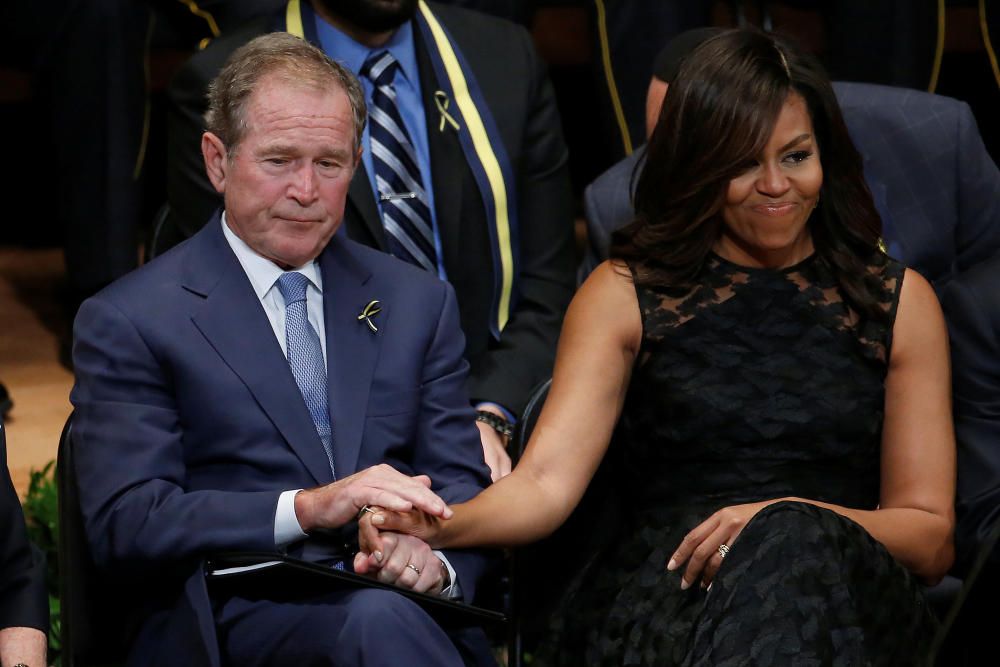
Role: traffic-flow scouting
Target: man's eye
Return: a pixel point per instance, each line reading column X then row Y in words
column 277, row 161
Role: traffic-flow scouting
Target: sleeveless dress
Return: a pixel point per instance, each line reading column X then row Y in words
column 756, row 384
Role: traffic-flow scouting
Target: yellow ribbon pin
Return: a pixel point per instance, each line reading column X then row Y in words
column 368, row 312
column 442, row 102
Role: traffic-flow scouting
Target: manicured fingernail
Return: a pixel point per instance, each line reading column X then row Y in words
column 378, row 519
column 378, row 556
column 672, row 565
column 685, row 585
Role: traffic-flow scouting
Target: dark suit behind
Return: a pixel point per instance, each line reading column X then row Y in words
column 972, row 305
column 23, row 598
column 523, row 105
column 933, row 182
column 189, row 423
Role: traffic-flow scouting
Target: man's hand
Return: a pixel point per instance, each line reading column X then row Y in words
column 494, row 446
column 26, row 645
column 700, row 547
column 404, row 561
column 336, row 504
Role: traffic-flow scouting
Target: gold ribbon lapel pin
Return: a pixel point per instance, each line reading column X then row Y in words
column 368, row 312
column 442, row 102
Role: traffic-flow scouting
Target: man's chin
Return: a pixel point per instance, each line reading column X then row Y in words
column 373, row 16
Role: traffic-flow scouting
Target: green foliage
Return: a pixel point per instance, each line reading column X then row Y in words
column 41, row 515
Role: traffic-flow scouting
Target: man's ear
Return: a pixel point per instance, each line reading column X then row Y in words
column 216, row 163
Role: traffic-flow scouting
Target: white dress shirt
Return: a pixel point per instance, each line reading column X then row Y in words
column 263, row 275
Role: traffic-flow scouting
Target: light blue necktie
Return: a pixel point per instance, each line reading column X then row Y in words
column 305, row 356
column 403, row 201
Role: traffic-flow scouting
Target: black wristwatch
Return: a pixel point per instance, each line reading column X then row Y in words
column 495, row 422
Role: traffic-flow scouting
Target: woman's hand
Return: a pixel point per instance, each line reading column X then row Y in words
column 700, row 548
column 378, row 519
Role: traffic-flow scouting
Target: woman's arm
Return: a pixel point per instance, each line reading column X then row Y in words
column 598, row 344
column 915, row 517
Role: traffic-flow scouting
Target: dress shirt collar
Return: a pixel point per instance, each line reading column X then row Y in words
column 352, row 55
column 262, row 272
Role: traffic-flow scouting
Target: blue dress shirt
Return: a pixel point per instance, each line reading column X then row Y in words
column 353, row 55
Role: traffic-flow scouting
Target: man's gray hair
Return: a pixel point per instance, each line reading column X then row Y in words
column 295, row 61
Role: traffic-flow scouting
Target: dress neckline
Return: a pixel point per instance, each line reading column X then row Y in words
column 763, row 270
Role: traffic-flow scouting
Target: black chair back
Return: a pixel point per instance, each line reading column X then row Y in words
column 538, row 587
column 96, row 623
column 163, row 235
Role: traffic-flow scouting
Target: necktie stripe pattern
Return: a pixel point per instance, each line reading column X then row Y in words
column 305, row 356
column 406, row 218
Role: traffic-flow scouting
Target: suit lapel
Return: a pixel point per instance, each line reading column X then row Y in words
column 233, row 322
column 448, row 167
column 351, row 348
column 361, row 202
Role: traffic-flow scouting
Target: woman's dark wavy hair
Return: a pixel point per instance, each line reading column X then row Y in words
column 718, row 114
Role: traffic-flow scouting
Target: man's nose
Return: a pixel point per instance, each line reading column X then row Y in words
column 772, row 181
column 303, row 187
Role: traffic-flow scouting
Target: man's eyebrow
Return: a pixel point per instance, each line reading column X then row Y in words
column 288, row 149
column 797, row 140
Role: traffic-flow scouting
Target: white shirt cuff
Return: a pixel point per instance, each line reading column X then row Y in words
column 454, row 591
column 286, row 524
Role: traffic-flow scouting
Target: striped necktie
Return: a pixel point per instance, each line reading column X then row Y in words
column 305, row 356
column 406, row 213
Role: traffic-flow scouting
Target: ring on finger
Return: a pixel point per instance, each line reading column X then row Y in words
column 414, row 568
column 723, row 550
column 364, row 510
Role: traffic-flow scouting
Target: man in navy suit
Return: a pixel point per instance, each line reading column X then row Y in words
column 934, row 184
column 266, row 355
column 503, row 236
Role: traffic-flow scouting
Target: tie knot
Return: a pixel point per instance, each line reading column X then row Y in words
column 380, row 68
column 292, row 286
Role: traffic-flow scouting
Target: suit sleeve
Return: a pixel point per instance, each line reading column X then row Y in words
column 973, row 324
column 130, row 459
column 23, row 598
column 447, row 446
column 978, row 228
column 524, row 355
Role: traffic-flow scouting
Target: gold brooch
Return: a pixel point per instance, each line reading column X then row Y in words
column 442, row 102
column 368, row 312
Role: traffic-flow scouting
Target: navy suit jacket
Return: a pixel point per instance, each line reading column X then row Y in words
column 971, row 304
column 933, row 182
column 23, row 598
column 189, row 423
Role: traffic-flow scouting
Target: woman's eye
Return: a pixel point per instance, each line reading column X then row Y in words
column 798, row 156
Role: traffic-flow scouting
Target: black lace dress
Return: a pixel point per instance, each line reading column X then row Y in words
column 758, row 384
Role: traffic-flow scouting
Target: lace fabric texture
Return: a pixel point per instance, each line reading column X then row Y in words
column 754, row 384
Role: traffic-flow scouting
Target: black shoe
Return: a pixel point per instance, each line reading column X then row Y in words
column 5, row 403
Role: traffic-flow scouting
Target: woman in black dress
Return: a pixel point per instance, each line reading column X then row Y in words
column 780, row 389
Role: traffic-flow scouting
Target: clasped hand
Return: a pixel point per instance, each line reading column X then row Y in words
column 396, row 559
column 403, row 560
